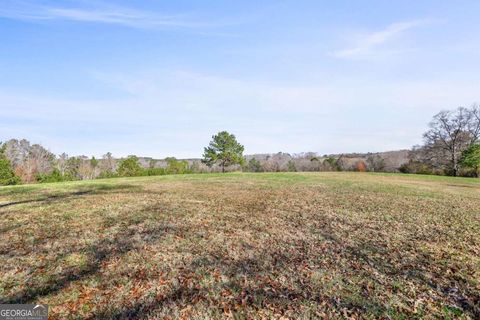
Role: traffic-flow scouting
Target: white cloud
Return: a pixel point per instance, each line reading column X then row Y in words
column 104, row 14
column 367, row 44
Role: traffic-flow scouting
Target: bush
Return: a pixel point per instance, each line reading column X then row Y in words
column 254, row 166
column 107, row 174
column 471, row 160
column 130, row 167
column 375, row 163
column 416, row 167
column 155, row 172
column 176, row 167
column 360, row 166
column 195, row 167
column 291, row 166
column 331, row 164
column 54, row 176
column 7, row 176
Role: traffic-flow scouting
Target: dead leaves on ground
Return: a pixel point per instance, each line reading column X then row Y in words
column 324, row 246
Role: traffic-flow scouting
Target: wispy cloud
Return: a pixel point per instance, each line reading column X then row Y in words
column 100, row 14
column 367, row 44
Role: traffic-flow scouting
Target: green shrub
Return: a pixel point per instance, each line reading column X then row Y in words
column 471, row 159
column 7, row 176
column 416, row 167
column 291, row 166
column 130, row 167
column 176, row 167
column 332, row 163
column 195, row 167
column 155, row 172
column 73, row 167
column 54, row 176
column 254, row 166
column 107, row 174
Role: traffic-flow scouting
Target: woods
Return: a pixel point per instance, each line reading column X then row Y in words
column 451, row 147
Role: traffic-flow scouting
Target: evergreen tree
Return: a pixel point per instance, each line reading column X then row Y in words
column 130, row 167
column 7, row 175
column 224, row 150
column 471, row 158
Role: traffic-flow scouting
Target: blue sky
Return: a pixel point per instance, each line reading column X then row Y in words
column 158, row 78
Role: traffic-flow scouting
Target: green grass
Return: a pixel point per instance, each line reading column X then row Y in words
column 291, row 245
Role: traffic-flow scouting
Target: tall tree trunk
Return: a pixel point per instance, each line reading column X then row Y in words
column 455, row 162
column 455, row 167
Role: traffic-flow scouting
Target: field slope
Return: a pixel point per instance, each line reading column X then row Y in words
column 292, row 245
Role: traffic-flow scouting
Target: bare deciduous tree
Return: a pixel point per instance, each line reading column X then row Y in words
column 450, row 133
column 375, row 163
column 108, row 164
column 28, row 160
column 17, row 151
column 62, row 163
column 85, row 169
column 43, row 158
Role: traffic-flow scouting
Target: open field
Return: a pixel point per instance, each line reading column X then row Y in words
column 293, row 245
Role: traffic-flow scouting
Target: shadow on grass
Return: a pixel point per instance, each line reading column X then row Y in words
column 117, row 245
column 16, row 190
column 263, row 294
column 47, row 199
column 253, row 284
column 422, row 269
column 90, row 190
column 104, row 249
column 252, row 281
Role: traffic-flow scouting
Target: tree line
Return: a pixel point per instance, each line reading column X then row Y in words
column 23, row 162
column 451, row 147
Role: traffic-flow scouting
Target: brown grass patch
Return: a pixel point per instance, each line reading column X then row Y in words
column 267, row 246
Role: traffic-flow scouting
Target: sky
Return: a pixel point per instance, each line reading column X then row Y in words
column 159, row 78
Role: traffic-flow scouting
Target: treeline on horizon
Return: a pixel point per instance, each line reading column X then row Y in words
column 451, row 147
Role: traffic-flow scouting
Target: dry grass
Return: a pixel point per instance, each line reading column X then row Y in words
column 337, row 245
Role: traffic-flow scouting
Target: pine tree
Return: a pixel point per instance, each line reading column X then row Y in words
column 224, row 149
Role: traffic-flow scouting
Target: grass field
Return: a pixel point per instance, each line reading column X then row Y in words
column 291, row 245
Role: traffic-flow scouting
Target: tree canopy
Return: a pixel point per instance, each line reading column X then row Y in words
column 450, row 134
column 175, row 166
column 7, row 175
column 471, row 158
column 130, row 167
column 224, row 150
